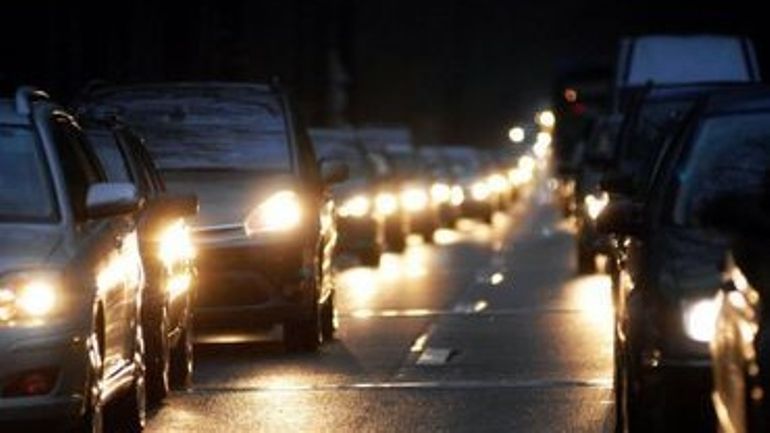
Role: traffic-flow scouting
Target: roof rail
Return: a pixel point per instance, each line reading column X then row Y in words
column 25, row 96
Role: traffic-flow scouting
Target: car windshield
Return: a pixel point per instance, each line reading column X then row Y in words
column 731, row 155
column 652, row 119
column 355, row 159
column 25, row 187
column 218, row 128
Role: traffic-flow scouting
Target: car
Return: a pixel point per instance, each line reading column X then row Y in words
column 167, row 252
column 674, row 268
column 71, row 278
column 445, row 190
column 360, row 224
column 465, row 164
column 265, row 234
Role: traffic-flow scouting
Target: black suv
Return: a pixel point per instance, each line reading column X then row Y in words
column 265, row 233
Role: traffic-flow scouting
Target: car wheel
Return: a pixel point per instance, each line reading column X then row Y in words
column 370, row 257
column 586, row 260
column 157, row 356
column 182, row 358
column 131, row 410
column 302, row 335
column 328, row 319
column 428, row 236
column 92, row 420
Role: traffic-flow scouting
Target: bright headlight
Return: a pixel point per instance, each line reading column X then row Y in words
column 281, row 212
column 414, row 199
column 480, row 191
column 595, row 204
column 440, row 192
column 27, row 297
column 357, row 207
column 700, row 319
column 175, row 244
column 498, row 182
column 457, row 196
column 386, row 203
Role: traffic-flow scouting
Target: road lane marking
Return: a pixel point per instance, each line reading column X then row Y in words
column 435, row 356
column 419, row 343
column 598, row 383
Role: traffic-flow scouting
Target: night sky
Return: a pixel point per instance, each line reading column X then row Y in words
column 456, row 71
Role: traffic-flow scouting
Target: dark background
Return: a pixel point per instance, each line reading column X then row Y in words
column 456, row 71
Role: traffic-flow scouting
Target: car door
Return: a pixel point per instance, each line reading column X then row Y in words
column 114, row 261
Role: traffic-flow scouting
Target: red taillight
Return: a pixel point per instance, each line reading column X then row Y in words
column 31, row 383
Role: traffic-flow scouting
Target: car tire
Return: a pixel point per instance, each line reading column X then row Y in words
column 487, row 217
column 328, row 319
column 370, row 257
column 586, row 260
column 302, row 335
column 92, row 420
column 428, row 236
column 182, row 358
column 131, row 409
column 158, row 356
column 397, row 244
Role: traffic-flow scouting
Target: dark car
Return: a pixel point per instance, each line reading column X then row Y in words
column 168, row 255
column 265, row 233
column 361, row 227
column 465, row 164
column 674, row 267
column 71, row 279
column 445, row 191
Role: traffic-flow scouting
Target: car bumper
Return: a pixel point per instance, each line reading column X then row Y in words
column 27, row 350
column 477, row 208
column 423, row 221
column 254, row 282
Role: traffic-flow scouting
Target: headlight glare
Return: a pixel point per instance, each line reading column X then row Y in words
column 386, row 203
column 440, row 192
column 457, row 196
column 281, row 212
column 414, row 199
column 700, row 318
column 28, row 297
column 175, row 244
column 480, row 191
column 356, row 207
column 595, row 204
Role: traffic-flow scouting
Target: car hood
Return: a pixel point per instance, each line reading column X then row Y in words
column 23, row 246
column 226, row 197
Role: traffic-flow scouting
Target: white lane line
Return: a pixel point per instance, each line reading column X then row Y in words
column 597, row 383
column 434, row 356
column 419, row 343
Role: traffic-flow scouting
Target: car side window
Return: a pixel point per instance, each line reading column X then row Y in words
column 78, row 164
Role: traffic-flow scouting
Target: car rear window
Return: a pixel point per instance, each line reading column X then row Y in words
column 207, row 128
column 25, row 185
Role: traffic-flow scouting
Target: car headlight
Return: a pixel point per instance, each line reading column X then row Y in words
column 480, row 191
column 498, row 182
column 357, row 207
column 700, row 317
column 440, row 192
column 595, row 204
column 386, row 203
column 28, row 296
column 457, row 196
column 281, row 212
column 414, row 199
column 175, row 244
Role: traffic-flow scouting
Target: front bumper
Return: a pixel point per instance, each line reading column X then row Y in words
column 247, row 282
column 26, row 350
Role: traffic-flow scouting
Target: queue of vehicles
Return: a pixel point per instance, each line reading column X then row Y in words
column 147, row 212
column 669, row 182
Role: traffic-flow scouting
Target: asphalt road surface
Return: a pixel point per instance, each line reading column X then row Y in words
column 487, row 331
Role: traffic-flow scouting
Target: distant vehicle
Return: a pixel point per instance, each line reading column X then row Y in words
column 360, row 224
column 674, row 267
column 466, row 166
column 445, row 190
column 265, row 233
column 680, row 60
column 167, row 251
column 71, row 278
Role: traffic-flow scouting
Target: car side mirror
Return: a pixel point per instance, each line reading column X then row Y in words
column 620, row 217
column 112, row 199
column 618, row 183
column 177, row 205
column 334, row 171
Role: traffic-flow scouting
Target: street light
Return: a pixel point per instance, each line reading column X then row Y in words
column 516, row 134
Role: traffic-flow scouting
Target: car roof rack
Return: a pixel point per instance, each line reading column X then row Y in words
column 25, row 96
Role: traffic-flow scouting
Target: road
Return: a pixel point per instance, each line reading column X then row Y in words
column 489, row 330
